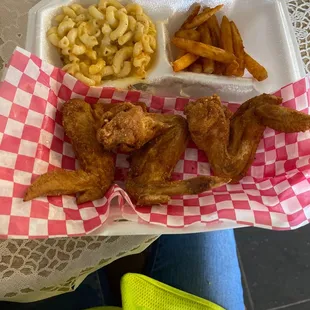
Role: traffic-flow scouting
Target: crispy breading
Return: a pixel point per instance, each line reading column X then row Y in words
column 148, row 180
column 126, row 127
column 230, row 142
column 97, row 165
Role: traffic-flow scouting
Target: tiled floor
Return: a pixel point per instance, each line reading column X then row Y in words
column 275, row 267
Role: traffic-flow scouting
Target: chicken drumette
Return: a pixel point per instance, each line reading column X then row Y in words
column 126, row 126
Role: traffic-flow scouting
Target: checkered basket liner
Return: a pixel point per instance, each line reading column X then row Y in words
column 275, row 194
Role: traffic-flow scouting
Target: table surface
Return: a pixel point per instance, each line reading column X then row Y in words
column 37, row 269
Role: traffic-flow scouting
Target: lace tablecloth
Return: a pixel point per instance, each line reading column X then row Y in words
column 36, row 269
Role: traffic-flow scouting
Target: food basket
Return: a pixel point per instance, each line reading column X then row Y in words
column 274, row 195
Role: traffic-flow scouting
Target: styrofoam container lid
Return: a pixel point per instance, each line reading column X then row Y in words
column 264, row 25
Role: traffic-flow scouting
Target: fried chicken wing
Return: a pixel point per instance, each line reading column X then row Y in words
column 283, row 119
column 97, row 165
column 148, row 180
column 230, row 142
column 127, row 127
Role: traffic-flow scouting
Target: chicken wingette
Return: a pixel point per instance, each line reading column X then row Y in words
column 230, row 141
column 97, row 165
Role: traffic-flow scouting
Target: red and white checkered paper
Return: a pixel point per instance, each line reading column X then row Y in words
column 275, row 194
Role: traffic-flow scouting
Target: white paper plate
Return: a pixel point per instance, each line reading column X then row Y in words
column 264, row 25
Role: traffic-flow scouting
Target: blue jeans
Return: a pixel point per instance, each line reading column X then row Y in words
column 204, row 264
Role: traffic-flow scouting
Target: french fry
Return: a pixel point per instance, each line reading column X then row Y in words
column 189, row 34
column 238, row 48
column 192, row 15
column 183, row 62
column 202, row 17
column 215, row 30
column 215, row 33
column 255, row 68
column 232, row 68
column 195, row 67
column 204, row 50
column 207, row 64
column 226, row 35
column 205, row 46
column 226, row 43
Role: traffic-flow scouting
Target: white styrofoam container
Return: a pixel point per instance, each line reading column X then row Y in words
column 264, row 25
column 268, row 36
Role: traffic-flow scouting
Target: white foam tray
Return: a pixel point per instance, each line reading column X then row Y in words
column 264, row 25
column 268, row 36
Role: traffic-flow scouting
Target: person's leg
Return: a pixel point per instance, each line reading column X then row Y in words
column 203, row 264
column 111, row 296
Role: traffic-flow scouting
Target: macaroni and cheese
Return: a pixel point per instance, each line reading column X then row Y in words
column 104, row 41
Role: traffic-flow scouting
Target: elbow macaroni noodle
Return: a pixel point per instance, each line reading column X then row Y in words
column 120, row 56
column 122, row 26
column 104, row 41
column 125, row 70
column 125, row 38
column 110, row 16
column 132, row 23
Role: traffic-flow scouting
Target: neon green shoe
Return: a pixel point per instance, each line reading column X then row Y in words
column 140, row 292
column 143, row 293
